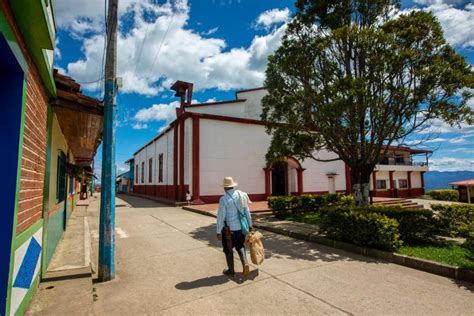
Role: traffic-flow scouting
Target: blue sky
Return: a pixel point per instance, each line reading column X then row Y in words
column 219, row 45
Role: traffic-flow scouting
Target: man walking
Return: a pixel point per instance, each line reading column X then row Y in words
column 229, row 229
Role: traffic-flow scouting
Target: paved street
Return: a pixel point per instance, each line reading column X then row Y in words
column 169, row 262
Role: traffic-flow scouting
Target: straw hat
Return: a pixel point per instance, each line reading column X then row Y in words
column 229, row 182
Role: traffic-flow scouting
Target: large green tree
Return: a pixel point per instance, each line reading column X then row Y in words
column 355, row 77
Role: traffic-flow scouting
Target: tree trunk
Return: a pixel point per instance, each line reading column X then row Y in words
column 361, row 185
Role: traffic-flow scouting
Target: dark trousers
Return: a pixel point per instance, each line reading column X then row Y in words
column 238, row 240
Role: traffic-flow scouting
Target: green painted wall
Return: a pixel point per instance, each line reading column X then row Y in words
column 35, row 19
column 55, row 229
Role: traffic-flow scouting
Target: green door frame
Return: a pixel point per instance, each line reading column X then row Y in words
column 7, row 33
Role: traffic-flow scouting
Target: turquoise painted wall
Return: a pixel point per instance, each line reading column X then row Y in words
column 55, row 228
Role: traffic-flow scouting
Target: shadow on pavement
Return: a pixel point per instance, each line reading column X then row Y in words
column 278, row 246
column 464, row 285
column 139, row 202
column 216, row 280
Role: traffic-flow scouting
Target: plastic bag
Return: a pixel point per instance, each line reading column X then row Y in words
column 254, row 242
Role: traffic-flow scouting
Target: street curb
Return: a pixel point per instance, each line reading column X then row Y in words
column 453, row 272
column 202, row 212
column 445, row 270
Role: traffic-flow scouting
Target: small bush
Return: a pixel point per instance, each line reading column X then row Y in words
column 455, row 218
column 469, row 243
column 444, row 195
column 305, row 203
column 281, row 206
column 415, row 225
column 360, row 227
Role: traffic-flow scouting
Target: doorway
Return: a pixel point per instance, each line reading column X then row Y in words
column 280, row 179
column 11, row 96
column 331, row 185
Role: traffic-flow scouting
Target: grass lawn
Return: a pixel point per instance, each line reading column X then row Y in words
column 313, row 219
column 444, row 252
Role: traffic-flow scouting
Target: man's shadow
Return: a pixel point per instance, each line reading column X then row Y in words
column 216, row 280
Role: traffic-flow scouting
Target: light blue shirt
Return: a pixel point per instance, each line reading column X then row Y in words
column 229, row 213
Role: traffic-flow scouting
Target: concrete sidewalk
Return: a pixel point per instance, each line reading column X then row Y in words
column 67, row 285
column 169, row 262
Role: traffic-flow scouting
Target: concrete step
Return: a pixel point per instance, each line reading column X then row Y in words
column 390, row 202
column 405, row 203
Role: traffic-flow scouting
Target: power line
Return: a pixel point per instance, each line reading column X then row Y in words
column 161, row 44
column 105, row 47
column 89, row 82
column 141, row 48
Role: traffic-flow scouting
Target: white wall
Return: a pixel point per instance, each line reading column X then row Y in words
column 250, row 109
column 253, row 105
column 232, row 149
column 416, row 179
column 163, row 145
column 380, row 175
column 397, row 175
column 229, row 109
column 385, row 175
column 315, row 177
column 188, row 138
column 238, row 150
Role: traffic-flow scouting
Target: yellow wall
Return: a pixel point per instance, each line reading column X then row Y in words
column 58, row 142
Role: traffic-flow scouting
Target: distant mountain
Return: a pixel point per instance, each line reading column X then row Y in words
column 440, row 179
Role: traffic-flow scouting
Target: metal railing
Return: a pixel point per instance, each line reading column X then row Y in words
column 402, row 162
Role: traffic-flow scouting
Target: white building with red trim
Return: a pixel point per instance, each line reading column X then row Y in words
column 209, row 141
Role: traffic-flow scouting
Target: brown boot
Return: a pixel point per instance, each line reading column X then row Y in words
column 243, row 259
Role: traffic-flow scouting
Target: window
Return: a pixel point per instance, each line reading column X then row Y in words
column 150, row 170
column 136, row 173
column 160, row 168
column 61, row 177
column 402, row 183
column 143, row 172
column 381, row 184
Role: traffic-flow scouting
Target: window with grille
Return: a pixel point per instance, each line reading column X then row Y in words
column 403, row 183
column 381, row 184
column 61, row 177
column 160, row 168
column 136, row 173
column 150, row 170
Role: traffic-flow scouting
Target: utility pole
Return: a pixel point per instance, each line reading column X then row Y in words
column 107, row 196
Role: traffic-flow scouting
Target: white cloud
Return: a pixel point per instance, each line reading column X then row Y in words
column 139, row 126
column 438, row 126
column 451, row 164
column 158, row 113
column 430, row 2
column 463, row 150
column 211, row 31
column 272, row 17
column 183, row 55
column 121, row 168
column 57, row 51
column 458, row 24
column 457, row 20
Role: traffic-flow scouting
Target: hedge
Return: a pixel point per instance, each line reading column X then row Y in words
column 444, row 195
column 415, row 225
column 360, row 227
column 284, row 206
column 281, row 206
column 456, row 219
column 469, row 243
